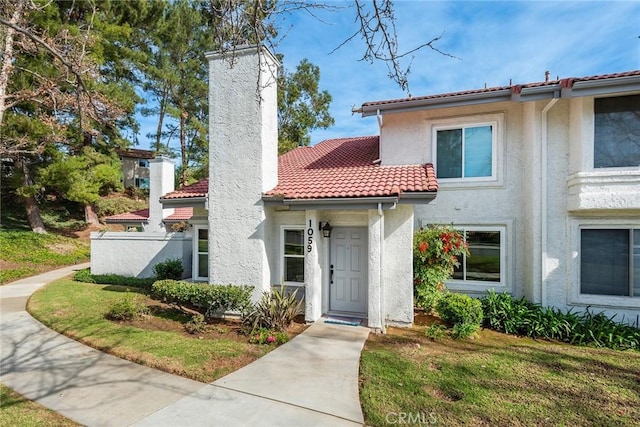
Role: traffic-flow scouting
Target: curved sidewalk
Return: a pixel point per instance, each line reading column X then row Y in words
column 310, row 381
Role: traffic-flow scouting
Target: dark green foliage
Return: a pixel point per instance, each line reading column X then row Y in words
column 462, row 312
column 208, row 299
column 520, row 317
column 128, row 307
column 275, row 311
column 112, row 279
column 169, row 269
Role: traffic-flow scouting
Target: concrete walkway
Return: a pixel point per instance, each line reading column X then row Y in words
column 310, row 381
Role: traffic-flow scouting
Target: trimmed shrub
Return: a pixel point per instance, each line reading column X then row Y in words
column 275, row 311
column 208, row 299
column 112, row 279
column 169, row 269
column 462, row 312
column 436, row 252
column 459, row 308
column 128, row 307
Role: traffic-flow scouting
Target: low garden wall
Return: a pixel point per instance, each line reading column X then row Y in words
column 135, row 254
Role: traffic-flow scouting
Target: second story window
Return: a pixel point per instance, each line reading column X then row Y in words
column 617, row 132
column 465, row 152
column 143, row 163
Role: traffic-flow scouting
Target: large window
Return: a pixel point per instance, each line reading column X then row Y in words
column 610, row 262
column 485, row 263
column 617, row 132
column 465, row 152
column 293, row 255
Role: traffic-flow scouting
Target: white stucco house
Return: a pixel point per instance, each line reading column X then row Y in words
column 544, row 179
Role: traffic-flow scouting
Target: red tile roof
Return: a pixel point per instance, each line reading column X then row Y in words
column 347, row 167
column 517, row 88
column 198, row 189
column 142, row 215
column 135, row 216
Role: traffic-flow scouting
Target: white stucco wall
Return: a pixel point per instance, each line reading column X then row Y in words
column 161, row 182
column 243, row 164
column 398, row 265
column 135, row 254
column 541, row 199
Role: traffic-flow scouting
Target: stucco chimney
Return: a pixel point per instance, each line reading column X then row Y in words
column 243, row 163
column 161, row 182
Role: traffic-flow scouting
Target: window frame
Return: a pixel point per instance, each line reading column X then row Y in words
column 593, row 139
column 503, row 259
column 496, row 122
column 196, row 251
column 630, row 261
column 143, row 163
column 282, row 255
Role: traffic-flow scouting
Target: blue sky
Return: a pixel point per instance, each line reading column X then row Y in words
column 495, row 42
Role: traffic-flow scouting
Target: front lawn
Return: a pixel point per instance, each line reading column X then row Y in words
column 15, row 410
column 495, row 379
column 159, row 340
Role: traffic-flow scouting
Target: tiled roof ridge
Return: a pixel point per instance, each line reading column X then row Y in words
column 516, row 88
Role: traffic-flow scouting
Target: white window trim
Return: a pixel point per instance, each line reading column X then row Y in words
column 281, row 254
column 497, row 143
column 507, row 259
column 573, row 291
column 592, row 139
column 196, row 253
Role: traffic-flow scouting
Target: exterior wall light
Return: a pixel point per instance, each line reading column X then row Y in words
column 326, row 229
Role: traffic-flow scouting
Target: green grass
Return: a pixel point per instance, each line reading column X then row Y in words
column 24, row 253
column 496, row 380
column 78, row 311
column 15, row 410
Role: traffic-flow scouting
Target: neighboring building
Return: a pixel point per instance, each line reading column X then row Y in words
column 135, row 167
column 543, row 178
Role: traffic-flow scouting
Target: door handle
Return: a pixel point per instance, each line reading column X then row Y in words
column 331, row 275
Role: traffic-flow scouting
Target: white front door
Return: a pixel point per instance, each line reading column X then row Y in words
column 348, row 270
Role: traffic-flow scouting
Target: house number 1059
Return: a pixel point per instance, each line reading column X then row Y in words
column 309, row 237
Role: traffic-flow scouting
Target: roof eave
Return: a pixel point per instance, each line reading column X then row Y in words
column 433, row 103
column 194, row 202
column 565, row 88
column 332, row 203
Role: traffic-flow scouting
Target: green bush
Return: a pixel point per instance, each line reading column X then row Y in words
column 169, row 269
column 128, row 307
column 112, row 279
column 435, row 332
column 436, row 252
column 275, row 311
column 459, row 308
column 84, row 276
column 208, row 299
column 504, row 313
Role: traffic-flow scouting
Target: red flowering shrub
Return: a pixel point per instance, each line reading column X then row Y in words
column 436, row 252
